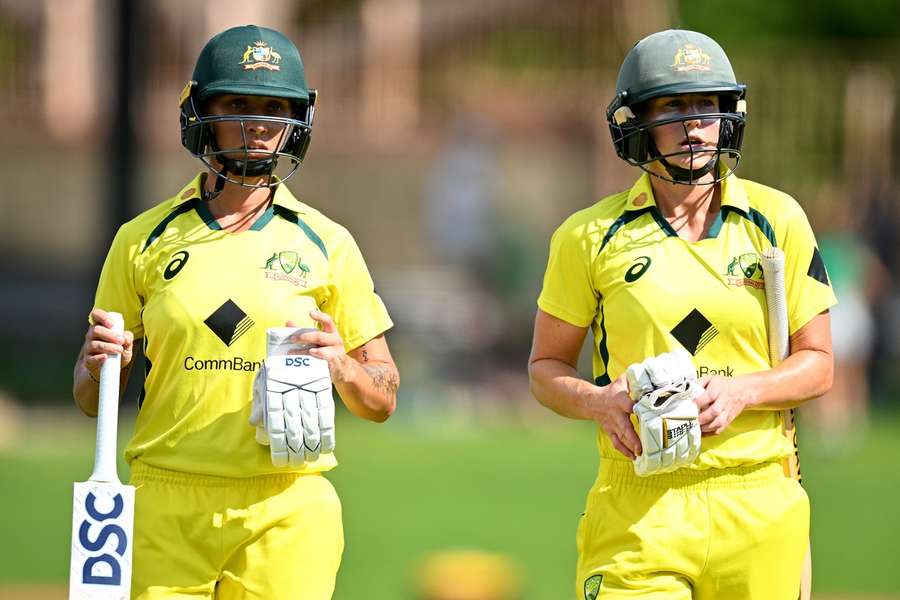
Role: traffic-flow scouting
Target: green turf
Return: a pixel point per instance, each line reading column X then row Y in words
column 513, row 489
column 510, row 490
column 855, row 510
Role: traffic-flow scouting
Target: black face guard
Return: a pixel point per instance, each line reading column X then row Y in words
column 237, row 165
column 634, row 144
column 242, row 165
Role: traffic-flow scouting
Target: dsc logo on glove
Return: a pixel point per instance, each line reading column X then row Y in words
column 296, row 361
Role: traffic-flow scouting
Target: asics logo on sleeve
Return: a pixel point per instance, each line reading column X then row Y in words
column 639, row 267
column 179, row 259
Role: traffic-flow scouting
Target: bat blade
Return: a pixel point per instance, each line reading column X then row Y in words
column 102, row 507
column 102, row 526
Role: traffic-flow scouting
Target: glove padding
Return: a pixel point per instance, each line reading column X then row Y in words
column 293, row 409
column 664, row 388
column 670, row 368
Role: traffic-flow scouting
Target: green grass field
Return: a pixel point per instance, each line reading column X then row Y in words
column 514, row 489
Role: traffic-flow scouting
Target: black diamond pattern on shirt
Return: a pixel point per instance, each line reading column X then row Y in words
column 694, row 331
column 229, row 322
column 817, row 268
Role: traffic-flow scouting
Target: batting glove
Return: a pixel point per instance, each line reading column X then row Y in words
column 293, row 408
column 670, row 368
column 664, row 388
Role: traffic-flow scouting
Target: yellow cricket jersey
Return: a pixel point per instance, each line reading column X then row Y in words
column 201, row 299
column 619, row 267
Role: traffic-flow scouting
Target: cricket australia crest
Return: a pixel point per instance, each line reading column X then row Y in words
column 592, row 586
column 288, row 259
column 261, row 56
column 745, row 270
column 691, row 58
column 287, row 265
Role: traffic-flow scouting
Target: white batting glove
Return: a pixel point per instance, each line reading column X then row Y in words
column 664, row 388
column 670, row 368
column 293, row 409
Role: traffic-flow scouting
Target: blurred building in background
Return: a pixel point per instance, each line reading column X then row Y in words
column 451, row 138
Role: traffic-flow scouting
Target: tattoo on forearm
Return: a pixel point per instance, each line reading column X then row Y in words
column 382, row 378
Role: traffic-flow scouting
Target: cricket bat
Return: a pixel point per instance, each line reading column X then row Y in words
column 772, row 263
column 103, row 508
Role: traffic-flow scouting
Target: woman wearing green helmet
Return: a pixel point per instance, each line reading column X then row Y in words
column 223, row 509
column 692, row 499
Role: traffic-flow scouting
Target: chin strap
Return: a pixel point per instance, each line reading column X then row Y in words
column 241, row 168
column 235, row 168
column 678, row 174
column 217, row 189
column 249, row 168
column 688, row 176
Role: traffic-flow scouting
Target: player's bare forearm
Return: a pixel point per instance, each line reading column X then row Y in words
column 806, row 374
column 552, row 376
column 366, row 377
column 555, row 383
column 802, row 376
column 367, row 380
column 558, row 386
column 84, row 389
column 369, row 388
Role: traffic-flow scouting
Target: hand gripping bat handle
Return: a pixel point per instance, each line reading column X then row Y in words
column 108, row 412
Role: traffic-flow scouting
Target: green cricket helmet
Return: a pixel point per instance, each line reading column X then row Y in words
column 669, row 63
column 252, row 61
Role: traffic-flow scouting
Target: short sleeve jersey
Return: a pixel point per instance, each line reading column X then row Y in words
column 620, row 268
column 201, row 300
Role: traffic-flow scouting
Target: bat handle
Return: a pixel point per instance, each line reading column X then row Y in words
column 108, row 412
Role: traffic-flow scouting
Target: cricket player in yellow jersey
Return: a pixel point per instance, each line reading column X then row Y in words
column 667, row 276
column 199, row 278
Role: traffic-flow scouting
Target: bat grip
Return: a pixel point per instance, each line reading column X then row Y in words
column 108, row 412
column 772, row 263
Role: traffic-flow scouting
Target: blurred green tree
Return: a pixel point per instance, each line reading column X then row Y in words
column 744, row 21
